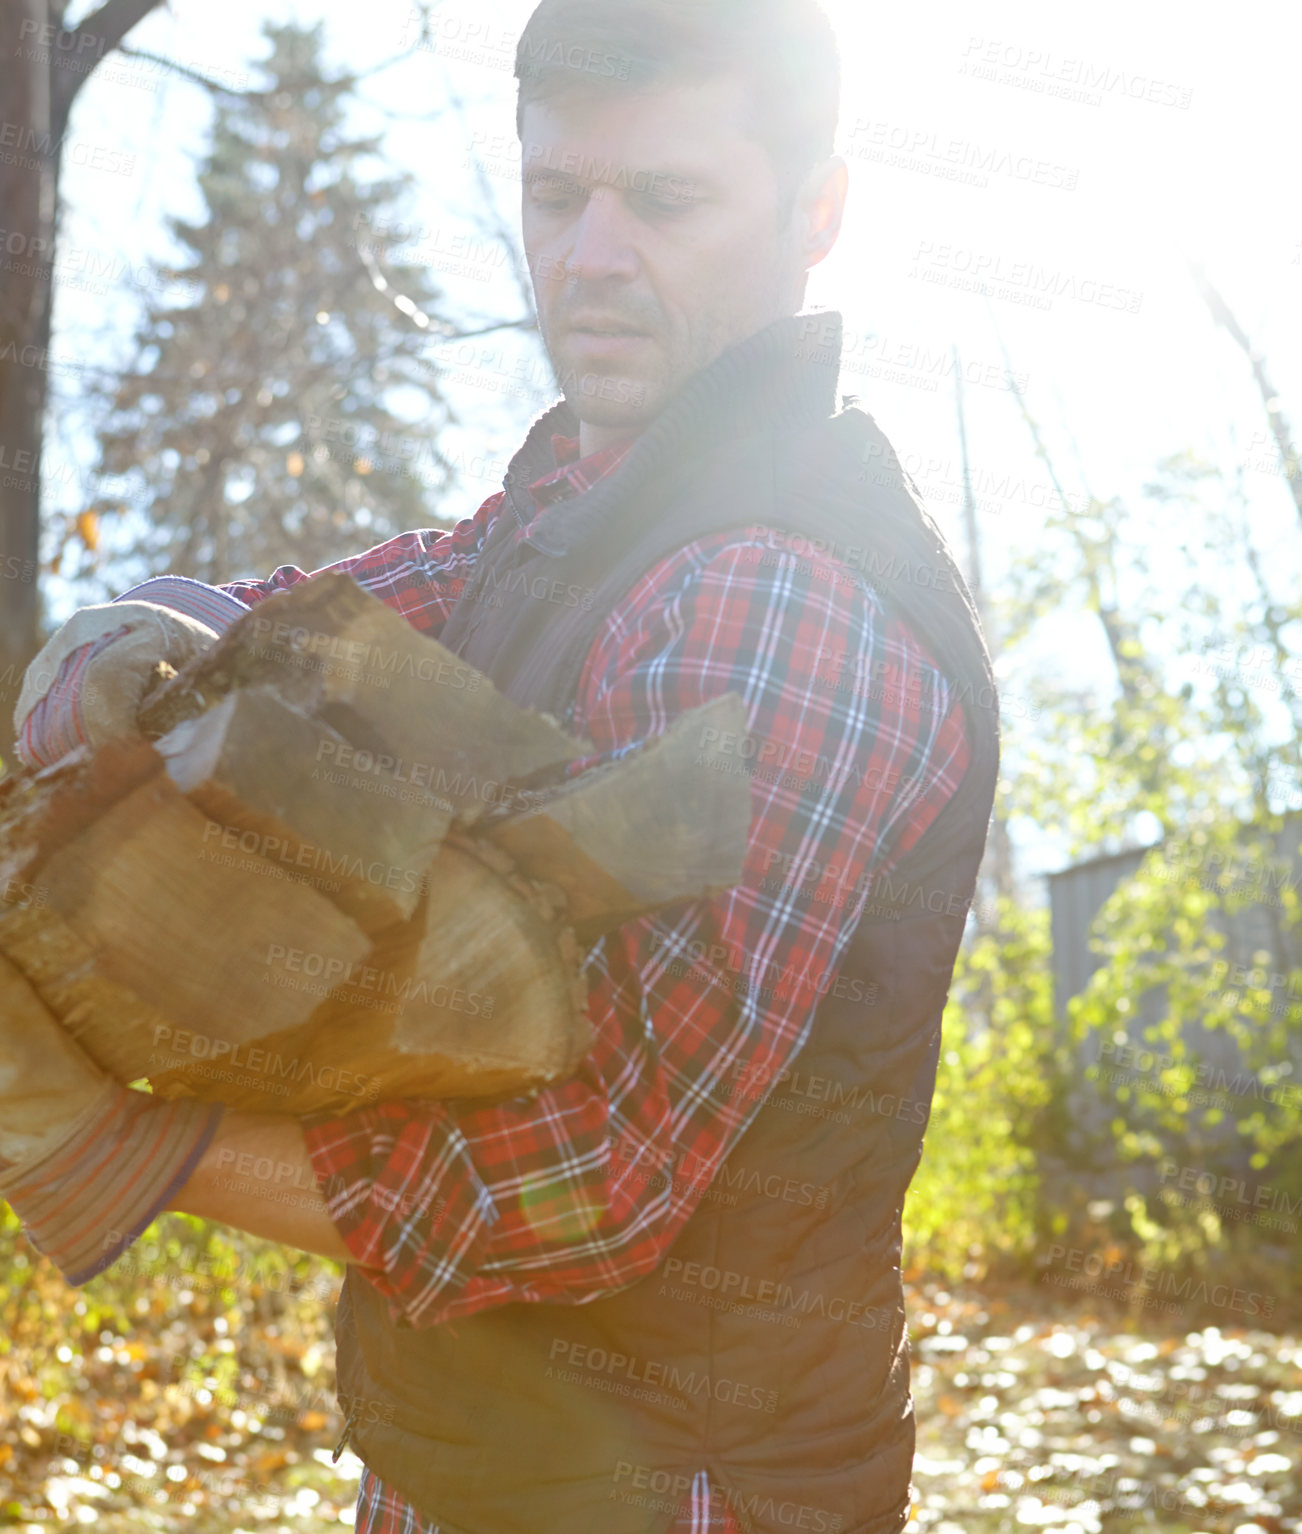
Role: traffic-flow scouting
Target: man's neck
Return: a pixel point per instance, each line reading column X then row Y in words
column 593, row 439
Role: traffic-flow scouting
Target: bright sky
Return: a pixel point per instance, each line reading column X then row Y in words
column 1073, row 159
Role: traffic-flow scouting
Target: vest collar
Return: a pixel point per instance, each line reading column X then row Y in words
column 780, row 379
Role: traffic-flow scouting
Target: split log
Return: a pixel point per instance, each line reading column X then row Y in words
column 668, row 821
column 267, row 773
column 302, row 897
column 478, row 996
column 138, row 921
column 332, row 650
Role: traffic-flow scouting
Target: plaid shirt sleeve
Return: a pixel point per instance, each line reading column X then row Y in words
column 580, row 1190
column 420, row 574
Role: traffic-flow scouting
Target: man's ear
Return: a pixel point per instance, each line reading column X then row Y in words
column 820, row 207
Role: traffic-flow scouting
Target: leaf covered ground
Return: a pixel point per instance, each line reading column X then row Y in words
column 208, row 1406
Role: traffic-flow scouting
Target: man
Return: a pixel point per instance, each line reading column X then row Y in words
column 665, row 1293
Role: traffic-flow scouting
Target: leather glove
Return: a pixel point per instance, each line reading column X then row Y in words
column 85, row 1162
column 88, row 682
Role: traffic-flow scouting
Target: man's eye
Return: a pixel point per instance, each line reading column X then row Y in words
column 668, row 205
column 554, row 197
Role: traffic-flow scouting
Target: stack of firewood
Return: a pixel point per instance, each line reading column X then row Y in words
column 338, row 865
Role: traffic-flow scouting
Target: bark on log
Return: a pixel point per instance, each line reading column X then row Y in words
column 135, row 922
column 330, row 649
column 264, row 771
column 301, row 896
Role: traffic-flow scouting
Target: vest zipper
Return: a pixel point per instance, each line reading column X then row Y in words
column 510, row 495
column 343, row 1437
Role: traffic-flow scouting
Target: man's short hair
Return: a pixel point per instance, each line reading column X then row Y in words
column 785, row 51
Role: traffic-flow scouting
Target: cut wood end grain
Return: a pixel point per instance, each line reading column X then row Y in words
column 301, row 896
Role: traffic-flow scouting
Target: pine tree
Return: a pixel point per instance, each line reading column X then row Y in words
column 258, row 426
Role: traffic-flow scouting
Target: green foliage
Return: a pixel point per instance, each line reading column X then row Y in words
column 191, row 1386
column 1195, row 601
column 975, row 1195
column 1164, row 963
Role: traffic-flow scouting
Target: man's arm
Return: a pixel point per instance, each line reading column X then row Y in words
column 75, row 694
column 453, row 1208
column 257, row 1176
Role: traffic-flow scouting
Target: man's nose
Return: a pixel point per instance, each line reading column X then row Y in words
column 602, row 244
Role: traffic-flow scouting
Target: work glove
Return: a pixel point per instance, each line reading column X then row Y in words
column 87, row 684
column 85, row 1162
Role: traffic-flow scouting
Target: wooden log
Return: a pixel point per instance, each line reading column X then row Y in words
column 479, row 995
column 137, row 922
column 234, row 914
column 268, row 774
column 334, row 651
column 41, row 810
column 666, row 822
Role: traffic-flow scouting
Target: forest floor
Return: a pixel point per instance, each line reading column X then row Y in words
column 165, row 1402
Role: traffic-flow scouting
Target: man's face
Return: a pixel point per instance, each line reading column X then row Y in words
column 656, row 217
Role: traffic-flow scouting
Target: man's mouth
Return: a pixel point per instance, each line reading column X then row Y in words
column 607, row 340
column 604, row 330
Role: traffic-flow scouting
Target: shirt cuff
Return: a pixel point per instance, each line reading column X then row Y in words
column 206, row 604
column 55, row 726
column 85, row 1205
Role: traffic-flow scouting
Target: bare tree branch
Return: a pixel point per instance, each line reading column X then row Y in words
column 186, row 73
column 1001, row 856
column 1279, row 427
column 100, row 33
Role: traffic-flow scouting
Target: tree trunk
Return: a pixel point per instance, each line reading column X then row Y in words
column 28, row 188
column 42, row 67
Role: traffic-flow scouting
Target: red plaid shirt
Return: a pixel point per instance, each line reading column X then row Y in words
column 565, row 1196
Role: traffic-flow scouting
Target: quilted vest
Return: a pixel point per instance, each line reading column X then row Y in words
column 769, row 1347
